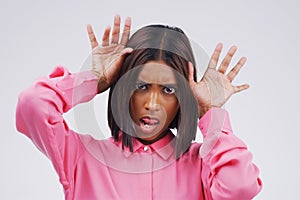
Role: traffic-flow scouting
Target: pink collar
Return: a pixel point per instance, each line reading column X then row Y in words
column 164, row 147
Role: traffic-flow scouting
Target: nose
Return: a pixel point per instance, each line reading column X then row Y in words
column 152, row 101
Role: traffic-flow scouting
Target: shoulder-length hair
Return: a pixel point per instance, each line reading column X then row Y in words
column 155, row 43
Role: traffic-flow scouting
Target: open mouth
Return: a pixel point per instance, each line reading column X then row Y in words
column 148, row 124
column 147, row 121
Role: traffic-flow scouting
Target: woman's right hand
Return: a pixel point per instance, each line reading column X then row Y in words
column 108, row 57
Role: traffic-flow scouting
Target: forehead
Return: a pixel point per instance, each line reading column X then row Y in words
column 157, row 72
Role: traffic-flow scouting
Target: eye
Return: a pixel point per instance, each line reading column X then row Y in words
column 141, row 86
column 169, row 90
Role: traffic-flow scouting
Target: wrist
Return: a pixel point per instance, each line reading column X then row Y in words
column 102, row 81
column 96, row 73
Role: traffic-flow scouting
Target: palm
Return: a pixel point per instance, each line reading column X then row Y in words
column 107, row 58
column 216, row 87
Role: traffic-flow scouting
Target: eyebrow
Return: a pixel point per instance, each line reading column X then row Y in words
column 173, row 85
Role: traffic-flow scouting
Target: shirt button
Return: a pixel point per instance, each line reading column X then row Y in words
column 146, row 148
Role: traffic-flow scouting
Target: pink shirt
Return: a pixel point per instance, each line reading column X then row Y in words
column 89, row 169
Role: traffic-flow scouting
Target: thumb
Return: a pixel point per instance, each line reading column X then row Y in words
column 126, row 51
column 122, row 55
column 191, row 72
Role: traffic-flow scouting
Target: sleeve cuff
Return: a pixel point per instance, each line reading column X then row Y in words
column 215, row 119
column 213, row 124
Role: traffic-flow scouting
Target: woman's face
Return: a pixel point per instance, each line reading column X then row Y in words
column 154, row 104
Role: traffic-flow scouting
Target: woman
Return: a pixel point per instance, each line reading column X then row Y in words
column 153, row 89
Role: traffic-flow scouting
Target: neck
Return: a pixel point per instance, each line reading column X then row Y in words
column 148, row 142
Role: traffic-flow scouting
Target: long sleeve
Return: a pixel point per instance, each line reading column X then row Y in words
column 39, row 116
column 227, row 171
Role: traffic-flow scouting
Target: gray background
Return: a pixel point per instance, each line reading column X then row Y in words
column 38, row 35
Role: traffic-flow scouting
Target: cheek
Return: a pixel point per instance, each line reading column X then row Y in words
column 134, row 105
column 172, row 107
column 135, row 100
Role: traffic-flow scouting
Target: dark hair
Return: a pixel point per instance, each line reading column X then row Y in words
column 155, row 43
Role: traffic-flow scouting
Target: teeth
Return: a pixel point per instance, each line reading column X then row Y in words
column 148, row 123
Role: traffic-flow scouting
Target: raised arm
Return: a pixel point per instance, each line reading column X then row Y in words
column 40, row 108
column 39, row 116
column 227, row 170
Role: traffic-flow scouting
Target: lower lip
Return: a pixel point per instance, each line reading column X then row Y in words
column 148, row 129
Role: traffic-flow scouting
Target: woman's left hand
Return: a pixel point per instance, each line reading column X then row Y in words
column 216, row 87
